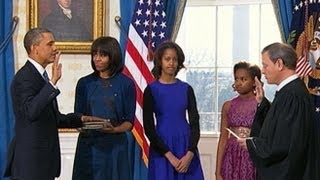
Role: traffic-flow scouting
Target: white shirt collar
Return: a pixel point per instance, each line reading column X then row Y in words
column 66, row 11
column 39, row 68
column 286, row 81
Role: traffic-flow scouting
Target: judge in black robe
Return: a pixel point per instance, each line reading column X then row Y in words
column 287, row 147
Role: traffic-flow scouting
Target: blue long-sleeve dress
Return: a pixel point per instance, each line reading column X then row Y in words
column 165, row 109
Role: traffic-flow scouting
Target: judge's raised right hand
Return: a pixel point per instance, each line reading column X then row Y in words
column 259, row 90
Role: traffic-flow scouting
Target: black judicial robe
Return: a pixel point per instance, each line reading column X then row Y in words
column 287, row 147
column 260, row 115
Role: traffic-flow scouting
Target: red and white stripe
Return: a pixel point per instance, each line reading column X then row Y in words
column 139, row 69
column 303, row 68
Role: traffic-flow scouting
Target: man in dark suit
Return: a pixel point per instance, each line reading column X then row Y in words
column 34, row 153
column 287, row 147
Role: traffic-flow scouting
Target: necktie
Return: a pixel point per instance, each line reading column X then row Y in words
column 45, row 76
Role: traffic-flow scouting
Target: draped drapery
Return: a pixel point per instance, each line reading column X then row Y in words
column 174, row 10
column 283, row 12
column 126, row 11
column 6, row 75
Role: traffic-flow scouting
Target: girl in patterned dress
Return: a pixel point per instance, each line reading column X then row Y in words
column 233, row 161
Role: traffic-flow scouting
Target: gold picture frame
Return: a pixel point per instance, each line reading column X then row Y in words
column 93, row 20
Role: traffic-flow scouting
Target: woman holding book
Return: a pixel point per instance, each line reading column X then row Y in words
column 103, row 153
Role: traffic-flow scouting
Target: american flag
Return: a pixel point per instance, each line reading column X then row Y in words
column 147, row 30
column 301, row 32
column 303, row 68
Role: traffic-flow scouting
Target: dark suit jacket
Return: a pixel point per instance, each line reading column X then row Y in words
column 34, row 153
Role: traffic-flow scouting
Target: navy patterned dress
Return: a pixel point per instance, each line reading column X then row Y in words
column 104, row 156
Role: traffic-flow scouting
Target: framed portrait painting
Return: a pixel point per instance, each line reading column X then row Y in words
column 74, row 23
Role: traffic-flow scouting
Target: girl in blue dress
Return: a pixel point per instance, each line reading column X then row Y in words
column 107, row 93
column 173, row 139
